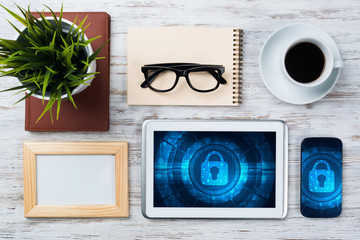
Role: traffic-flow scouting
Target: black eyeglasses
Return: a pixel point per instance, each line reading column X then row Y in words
column 163, row 77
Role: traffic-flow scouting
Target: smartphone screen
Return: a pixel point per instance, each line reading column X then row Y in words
column 321, row 177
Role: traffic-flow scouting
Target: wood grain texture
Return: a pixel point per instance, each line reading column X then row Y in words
column 337, row 114
column 118, row 149
column 29, row 166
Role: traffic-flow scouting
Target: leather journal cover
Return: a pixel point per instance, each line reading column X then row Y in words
column 152, row 45
column 92, row 113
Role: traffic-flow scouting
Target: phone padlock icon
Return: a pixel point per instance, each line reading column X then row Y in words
column 214, row 170
column 321, row 180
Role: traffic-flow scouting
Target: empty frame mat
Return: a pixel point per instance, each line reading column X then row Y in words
column 76, row 179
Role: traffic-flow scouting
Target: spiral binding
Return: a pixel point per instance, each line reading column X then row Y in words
column 237, row 65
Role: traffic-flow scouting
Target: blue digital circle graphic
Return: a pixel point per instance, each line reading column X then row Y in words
column 244, row 164
column 231, row 161
column 321, row 200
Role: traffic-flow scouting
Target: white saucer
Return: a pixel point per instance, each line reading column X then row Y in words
column 270, row 64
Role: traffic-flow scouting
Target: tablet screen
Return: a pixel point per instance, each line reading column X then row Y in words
column 214, row 169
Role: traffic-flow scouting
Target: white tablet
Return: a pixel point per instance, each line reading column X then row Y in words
column 214, row 169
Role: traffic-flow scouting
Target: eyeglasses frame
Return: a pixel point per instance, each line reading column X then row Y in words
column 182, row 70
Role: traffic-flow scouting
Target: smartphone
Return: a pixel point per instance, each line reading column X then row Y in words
column 321, row 177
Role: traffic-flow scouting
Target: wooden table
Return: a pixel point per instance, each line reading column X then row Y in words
column 337, row 114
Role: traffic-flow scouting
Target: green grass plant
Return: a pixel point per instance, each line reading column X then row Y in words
column 46, row 59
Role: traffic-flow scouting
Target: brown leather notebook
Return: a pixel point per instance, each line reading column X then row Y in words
column 92, row 113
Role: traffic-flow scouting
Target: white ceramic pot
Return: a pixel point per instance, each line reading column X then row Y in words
column 66, row 25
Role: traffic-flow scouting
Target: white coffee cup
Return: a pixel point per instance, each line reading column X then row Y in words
column 329, row 62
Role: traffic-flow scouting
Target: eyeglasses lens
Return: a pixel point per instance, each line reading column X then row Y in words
column 203, row 80
column 162, row 79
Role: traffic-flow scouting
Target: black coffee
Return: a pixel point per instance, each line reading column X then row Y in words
column 304, row 62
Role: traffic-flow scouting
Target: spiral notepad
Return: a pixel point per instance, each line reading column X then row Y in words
column 151, row 45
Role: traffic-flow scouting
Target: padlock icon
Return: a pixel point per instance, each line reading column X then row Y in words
column 214, row 170
column 321, row 180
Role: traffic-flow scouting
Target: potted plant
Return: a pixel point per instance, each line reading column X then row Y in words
column 51, row 57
